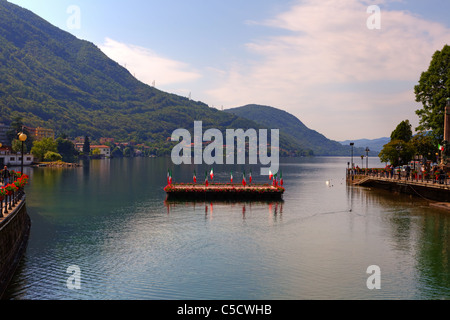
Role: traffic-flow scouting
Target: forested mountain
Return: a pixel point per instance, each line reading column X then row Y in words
column 294, row 129
column 54, row 80
column 51, row 79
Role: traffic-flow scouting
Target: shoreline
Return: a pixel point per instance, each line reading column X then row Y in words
column 56, row 165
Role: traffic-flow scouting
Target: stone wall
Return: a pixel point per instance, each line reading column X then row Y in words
column 14, row 233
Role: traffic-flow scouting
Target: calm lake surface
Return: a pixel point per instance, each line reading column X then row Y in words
column 110, row 219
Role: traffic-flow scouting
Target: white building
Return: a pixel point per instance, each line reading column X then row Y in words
column 12, row 159
column 105, row 151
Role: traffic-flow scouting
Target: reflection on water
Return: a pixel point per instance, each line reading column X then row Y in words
column 415, row 231
column 112, row 219
column 273, row 208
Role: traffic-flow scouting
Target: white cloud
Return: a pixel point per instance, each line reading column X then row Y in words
column 328, row 67
column 147, row 66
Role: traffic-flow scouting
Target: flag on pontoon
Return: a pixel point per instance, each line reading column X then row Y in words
column 231, row 177
column 211, row 174
column 244, row 182
column 250, row 177
column 270, row 175
column 206, row 178
column 281, row 178
column 169, row 177
column 275, row 182
column 195, row 177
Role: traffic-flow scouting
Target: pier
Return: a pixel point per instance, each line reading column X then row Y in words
column 429, row 187
column 226, row 191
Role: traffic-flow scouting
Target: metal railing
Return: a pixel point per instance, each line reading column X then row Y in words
column 437, row 177
column 10, row 201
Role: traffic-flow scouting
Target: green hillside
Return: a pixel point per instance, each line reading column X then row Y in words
column 54, row 80
column 293, row 129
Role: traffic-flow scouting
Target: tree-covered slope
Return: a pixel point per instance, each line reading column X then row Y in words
column 293, row 128
column 54, row 80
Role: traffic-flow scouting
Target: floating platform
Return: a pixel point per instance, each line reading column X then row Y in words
column 224, row 191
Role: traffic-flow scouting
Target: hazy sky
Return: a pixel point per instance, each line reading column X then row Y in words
column 345, row 69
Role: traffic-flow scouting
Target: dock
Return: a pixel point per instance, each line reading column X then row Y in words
column 431, row 189
column 222, row 191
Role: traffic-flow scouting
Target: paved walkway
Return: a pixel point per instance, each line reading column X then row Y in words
column 431, row 183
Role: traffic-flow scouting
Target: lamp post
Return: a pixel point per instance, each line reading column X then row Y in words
column 352, row 144
column 22, row 137
column 399, row 150
column 367, row 159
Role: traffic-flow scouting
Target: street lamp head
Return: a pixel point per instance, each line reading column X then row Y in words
column 352, row 144
column 22, row 137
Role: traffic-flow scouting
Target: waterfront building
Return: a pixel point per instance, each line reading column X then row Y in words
column 105, row 151
column 12, row 159
column 40, row 133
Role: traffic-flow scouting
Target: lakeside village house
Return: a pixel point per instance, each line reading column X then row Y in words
column 7, row 157
column 105, row 151
column 138, row 150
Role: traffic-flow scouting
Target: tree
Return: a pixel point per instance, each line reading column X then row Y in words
column 128, row 152
column 397, row 152
column 86, row 146
column 40, row 148
column 432, row 91
column 17, row 146
column 403, row 132
column 400, row 150
column 52, row 156
column 117, row 153
column 425, row 145
column 96, row 152
column 66, row 149
column 16, row 128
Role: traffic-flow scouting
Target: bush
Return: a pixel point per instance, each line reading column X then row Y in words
column 52, row 156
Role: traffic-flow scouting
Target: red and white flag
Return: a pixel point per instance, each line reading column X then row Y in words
column 169, row 177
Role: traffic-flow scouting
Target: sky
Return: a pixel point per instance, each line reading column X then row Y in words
column 345, row 68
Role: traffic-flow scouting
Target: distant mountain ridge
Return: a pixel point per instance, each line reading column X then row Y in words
column 51, row 79
column 375, row 145
column 293, row 128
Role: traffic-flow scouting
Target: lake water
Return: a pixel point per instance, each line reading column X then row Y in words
column 110, row 219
